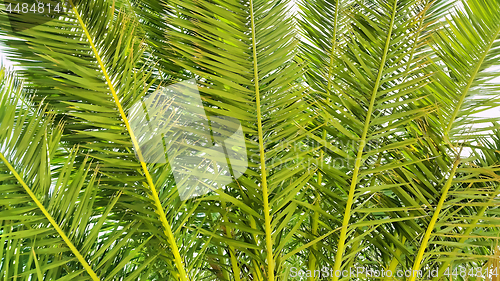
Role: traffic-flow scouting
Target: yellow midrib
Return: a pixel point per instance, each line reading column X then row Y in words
column 430, row 227
column 468, row 232
column 72, row 247
column 357, row 165
column 469, row 84
column 265, row 195
column 159, row 208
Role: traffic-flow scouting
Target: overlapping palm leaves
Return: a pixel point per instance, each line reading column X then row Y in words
column 370, row 114
column 355, row 116
column 93, row 79
column 56, row 225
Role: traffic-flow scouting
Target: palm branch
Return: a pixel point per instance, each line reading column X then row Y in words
column 356, row 117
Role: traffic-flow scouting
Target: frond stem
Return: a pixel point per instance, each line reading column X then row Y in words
column 265, row 195
column 357, row 165
column 469, row 84
column 154, row 194
column 430, row 228
column 61, row 233
column 469, row 230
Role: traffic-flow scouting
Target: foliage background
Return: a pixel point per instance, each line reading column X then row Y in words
column 361, row 122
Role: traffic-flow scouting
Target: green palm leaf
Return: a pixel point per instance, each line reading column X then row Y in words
column 356, row 118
